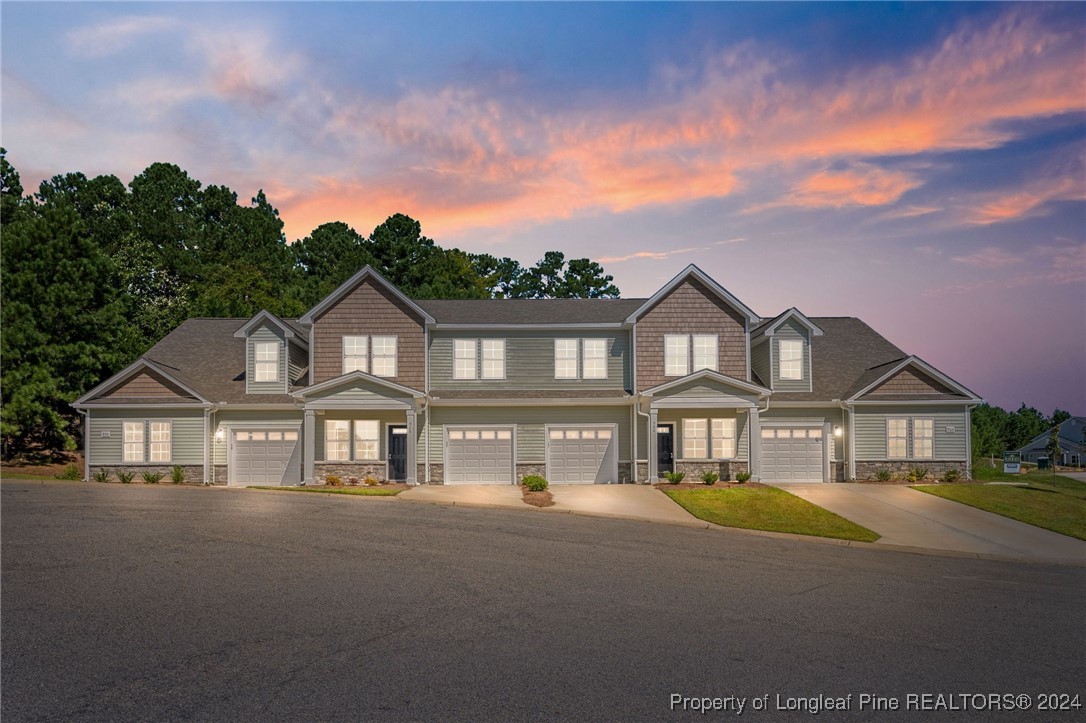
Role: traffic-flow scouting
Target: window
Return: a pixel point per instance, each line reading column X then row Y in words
column 354, row 354
column 384, row 356
column 694, row 439
column 267, row 361
column 337, row 443
column 897, row 438
column 723, row 437
column 676, row 355
column 367, row 439
column 923, row 437
column 463, row 359
column 565, row 358
column 791, row 359
column 133, row 441
column 160, row 441
column 594, row 364
column 705, row 352
column 493, row 358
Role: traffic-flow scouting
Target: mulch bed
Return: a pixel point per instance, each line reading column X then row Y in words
column 390, row 486
column 43, row 469
column 537, row 499
column 703, row 486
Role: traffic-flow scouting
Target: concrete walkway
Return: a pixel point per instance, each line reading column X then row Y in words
column 907, row 517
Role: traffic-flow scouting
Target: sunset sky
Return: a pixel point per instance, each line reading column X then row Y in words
column 921, row 166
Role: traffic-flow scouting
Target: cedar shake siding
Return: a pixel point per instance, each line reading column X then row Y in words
column 690, row 308
column 369, row 310
column 911, row 382
column 148, row 385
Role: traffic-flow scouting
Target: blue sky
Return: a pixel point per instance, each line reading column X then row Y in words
column 920, row 165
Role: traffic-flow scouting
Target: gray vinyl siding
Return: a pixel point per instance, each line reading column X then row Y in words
column 530, row 423
column 871, row 431
column 260, row 335
column 790, row 330
column 529, row 361
column 833, row 415
column 759, row 360
column 297, row 361
column 675, row 416
column 385, row 417
column 257, row 420
column 186, row 436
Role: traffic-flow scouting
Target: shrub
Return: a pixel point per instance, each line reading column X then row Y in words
column 674, row 477
column 101, row 475
column 352, row 481
column 70, row 472
column 742, row 477
column 952, row 475
column 917, row 474
column 534, row 482
column 333, row 480
column 177, row 474
column 709, row 477
column 370, row 481
column 125, row 477
column 152, row 478
column 884, row 474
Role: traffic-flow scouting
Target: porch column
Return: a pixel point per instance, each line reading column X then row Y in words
column 754, row 462
column 207, row 446
column 412, row 440
column 309, row 449
column 653, row 446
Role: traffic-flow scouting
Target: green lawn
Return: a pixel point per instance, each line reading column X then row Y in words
column 767, row 508
column 363, row 491
column 984, row 473
column 1060, row 509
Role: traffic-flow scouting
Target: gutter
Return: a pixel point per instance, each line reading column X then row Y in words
column 86, row 443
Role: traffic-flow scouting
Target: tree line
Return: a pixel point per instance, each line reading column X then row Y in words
column 995, row 430
column 94, row 272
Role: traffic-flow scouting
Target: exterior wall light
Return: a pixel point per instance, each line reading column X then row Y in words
column 220, row 434
column 836, row 431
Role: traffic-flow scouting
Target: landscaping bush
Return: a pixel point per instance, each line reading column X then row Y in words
column 125, row 477
column 152, row 478
column 674, row 477
column 352, row 481
column 952, row 475
column 333, row 480
column 71, row 472
column 917, row 474
column 709, row 477
column 884, row 474
column 742, row 477
column 370, row 481
column 534, row 482
column 177, row 474
column 101, row 475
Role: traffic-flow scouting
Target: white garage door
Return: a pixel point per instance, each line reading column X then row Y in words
column 263, row 457
column 479, row 456
column 791, row 455
column 585, row 455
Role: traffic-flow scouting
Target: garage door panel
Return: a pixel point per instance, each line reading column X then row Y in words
column 582, row 455
column 261, row 459
column 478, row 456
column 792, row 455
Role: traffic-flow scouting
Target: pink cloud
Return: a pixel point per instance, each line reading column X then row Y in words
column 989, row 258
column 1029, row 201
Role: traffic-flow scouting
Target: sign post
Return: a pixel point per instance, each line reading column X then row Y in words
column 1012, row 463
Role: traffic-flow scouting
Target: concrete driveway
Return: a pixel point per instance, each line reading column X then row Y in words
column 907, row 517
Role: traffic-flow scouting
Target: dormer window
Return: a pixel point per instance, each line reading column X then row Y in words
column 791, row 359
column 267, row 361
column 686, row 353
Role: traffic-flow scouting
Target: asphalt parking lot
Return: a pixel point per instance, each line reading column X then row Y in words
column 137, row 603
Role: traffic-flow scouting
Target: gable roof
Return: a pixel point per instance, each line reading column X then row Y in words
column 534, row 312
column 141, row 364
column 1070, row 434
column 874, row 378
column 367, row 272
column 710, row 375
column 769, row 327
column 266, row 317
column 704, row 278
column 355, row 376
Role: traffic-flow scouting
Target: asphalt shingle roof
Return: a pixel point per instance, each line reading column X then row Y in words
column 530, row 311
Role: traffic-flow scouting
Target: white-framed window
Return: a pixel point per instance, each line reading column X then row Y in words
column 923, row 438
column 337, row 440
column 565, row 358
column 897, row 438
column 723, row 438
column 267, row 361
column 791, row 352
column 383, row 351
column 161, row 433
column 367, row 439
column 133, row 441
column 695, row 438
column 594, row 358
column 705, row 351
column 464, row 366
column 676, row 355
column 354, row 354
column 493, row 358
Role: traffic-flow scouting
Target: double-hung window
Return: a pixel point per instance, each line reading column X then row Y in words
column 464, row 366
column 594, row 359
column 565, row 358
column 267, row 361
column 354, row 354
column 367, row 439
column 337, row 440
column 493, row 358
column 709, row 438
column 705, row 351
column 791, row 352
column 685, row 353
column 923, row 438
column 147, row 441
column 161, row 432
column 133, row 441
column 897, row 438
column 383, row 360
column 723, row 438
column 695, row 439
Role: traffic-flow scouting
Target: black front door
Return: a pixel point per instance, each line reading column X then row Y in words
column 397, row 453
column 665, row 448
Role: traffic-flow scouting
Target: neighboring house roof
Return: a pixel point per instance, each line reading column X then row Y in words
column 535, row 312
column 1070, row 434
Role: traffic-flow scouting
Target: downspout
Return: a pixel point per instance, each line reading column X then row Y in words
column 426, row 405
column 637, row 409
column 636, row 401
column 849, row 449
column 969, row 440
column 750, row 440
column 86, row 444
